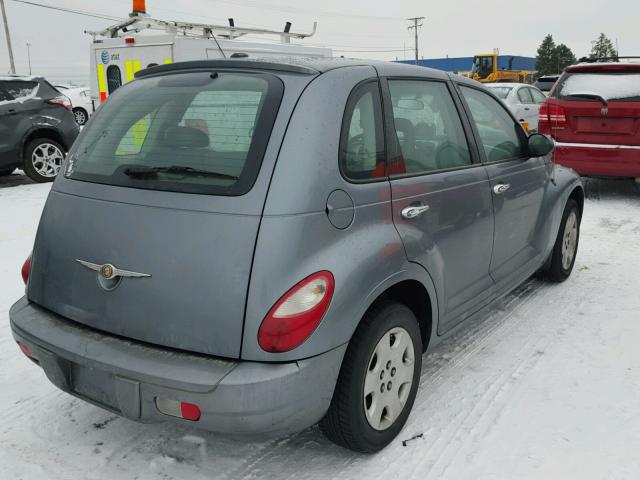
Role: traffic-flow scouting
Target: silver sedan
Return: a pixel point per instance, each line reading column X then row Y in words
column 523, row 100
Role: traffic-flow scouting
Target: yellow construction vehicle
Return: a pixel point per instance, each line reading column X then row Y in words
column 492, row 68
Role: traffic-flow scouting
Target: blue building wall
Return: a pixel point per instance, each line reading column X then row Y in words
column 464, row 64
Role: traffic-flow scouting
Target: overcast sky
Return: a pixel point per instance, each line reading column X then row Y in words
column 355, row 28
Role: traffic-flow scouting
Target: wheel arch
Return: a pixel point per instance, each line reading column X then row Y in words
column 414, row 289
column 415, row 296
column 577, row 194
column 42, row 132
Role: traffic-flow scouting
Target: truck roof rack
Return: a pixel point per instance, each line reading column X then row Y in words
column 138, row 22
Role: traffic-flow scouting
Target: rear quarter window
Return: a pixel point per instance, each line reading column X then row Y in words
column 621, row 87
column 187, row 132
column 19, row 90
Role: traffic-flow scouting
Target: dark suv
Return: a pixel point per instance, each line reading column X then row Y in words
column 546, row 83
column 37, row 127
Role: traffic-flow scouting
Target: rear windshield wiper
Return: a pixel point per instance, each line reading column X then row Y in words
column 587, row 95
column 176, row 169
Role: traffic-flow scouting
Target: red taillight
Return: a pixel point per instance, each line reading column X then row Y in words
column 129, row 40
column 26, row 269
column 62, row 101
column 175, row 408
column 297, row 314
column 551, row 117
column 25, row 349
column 190, row 411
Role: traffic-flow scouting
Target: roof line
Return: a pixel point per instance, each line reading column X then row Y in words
column 208, row 64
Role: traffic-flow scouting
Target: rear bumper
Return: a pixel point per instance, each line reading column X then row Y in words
column 126, row 377
column 606, row 160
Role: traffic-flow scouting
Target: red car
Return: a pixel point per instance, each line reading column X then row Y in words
column 593, row 114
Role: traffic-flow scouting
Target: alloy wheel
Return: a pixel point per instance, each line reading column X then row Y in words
column 47, row 159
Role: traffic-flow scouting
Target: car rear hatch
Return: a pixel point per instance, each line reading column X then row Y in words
column 150, row 233
column 597, row 105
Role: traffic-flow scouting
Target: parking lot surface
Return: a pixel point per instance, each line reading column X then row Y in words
column 546, row 386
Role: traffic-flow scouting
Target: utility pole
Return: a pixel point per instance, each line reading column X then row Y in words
column 415, row 27
column 6, row 32
column 29, row 56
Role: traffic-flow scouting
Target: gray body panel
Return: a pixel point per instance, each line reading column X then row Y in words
column 519, row 213
column 197, row 248
column 241, row 398
column 459, row 219
column 219, row 264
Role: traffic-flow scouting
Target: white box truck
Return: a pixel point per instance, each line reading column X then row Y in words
column 119, row 51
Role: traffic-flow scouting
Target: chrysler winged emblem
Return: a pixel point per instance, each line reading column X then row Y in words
column 604, row 111
column 108, row 271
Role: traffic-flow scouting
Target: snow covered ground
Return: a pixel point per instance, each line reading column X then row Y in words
column 547, row 386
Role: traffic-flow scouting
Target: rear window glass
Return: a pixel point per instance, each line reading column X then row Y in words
column 615, row 87
column 19, row 90
column 187, row 132
column 545, row 84
column 500, row 92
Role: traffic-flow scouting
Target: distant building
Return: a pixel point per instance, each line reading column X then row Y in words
column 464, row 64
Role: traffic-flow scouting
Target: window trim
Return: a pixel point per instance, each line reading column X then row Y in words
column 519, row 131
column 344, row 132
column 392, row 139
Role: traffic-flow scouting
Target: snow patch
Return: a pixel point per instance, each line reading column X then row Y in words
column 608, row 86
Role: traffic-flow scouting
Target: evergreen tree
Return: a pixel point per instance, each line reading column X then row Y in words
column 603, row 48
column 545, row 61
column 564, row 57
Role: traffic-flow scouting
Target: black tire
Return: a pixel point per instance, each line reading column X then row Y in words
column 81, row 116
column 6, row 171
column 346, row 422
column 556, row 271
column 31, row 167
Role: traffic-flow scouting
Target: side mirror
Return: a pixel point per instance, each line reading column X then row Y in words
column 539, row 145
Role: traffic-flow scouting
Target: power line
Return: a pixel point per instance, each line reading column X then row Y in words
column 370, row 51
column 70, row 10
column 357, row 49
column 288, row 9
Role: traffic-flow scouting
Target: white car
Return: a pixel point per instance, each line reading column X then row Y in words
column 523, row 100
column 80, row 100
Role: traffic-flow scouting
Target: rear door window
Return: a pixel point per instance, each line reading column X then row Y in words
column 428, row 127
column 187, row 132
column 362, row 138
column 614, row 87
column 538, row 97
column 501, row 136
column 524, row 96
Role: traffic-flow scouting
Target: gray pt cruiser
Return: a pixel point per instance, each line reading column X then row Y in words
column 255, row 247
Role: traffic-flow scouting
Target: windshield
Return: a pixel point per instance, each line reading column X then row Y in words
column 614, row 87
column 189, row 132
column 482, row 66
column 501, row 92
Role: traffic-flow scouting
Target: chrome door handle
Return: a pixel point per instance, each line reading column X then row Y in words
column 413, row 211
column 500, row 188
